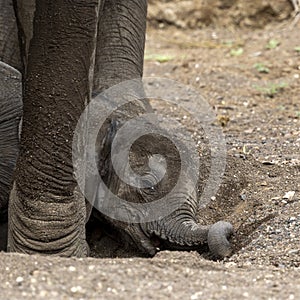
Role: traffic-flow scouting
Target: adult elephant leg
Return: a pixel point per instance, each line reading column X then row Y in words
column 120, row 42
column 46, row 212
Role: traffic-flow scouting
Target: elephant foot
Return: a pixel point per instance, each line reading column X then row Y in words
column 54, row 232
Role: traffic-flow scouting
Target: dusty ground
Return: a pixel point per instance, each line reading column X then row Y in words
column 254, row 91
column 251, row 78
column 167, row 276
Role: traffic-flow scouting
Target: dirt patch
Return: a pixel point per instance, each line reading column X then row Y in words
column 169, row 275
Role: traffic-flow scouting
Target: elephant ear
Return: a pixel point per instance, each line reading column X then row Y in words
column 10, row 116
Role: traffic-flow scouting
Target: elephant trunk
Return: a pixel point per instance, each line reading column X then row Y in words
column 182, row 232
column 185, row 234
column 217, row 239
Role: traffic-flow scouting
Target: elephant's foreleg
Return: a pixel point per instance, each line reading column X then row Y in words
column 120, row 42
column 46, row 212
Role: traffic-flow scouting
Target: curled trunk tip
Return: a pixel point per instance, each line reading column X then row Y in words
column 217, row 239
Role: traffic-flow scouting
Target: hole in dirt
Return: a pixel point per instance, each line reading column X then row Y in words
column 239, row 202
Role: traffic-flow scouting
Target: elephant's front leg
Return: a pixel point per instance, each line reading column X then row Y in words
column 120, row 42
column 47, row 213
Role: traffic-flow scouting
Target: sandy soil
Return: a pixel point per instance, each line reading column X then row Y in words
column 251, row 78
column 170, row 275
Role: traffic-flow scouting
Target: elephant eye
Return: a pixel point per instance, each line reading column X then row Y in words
column 148, row 184
column 148, row 187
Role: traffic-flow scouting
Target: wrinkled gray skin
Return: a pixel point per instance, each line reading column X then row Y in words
column 47, row 213
column 10, row 114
